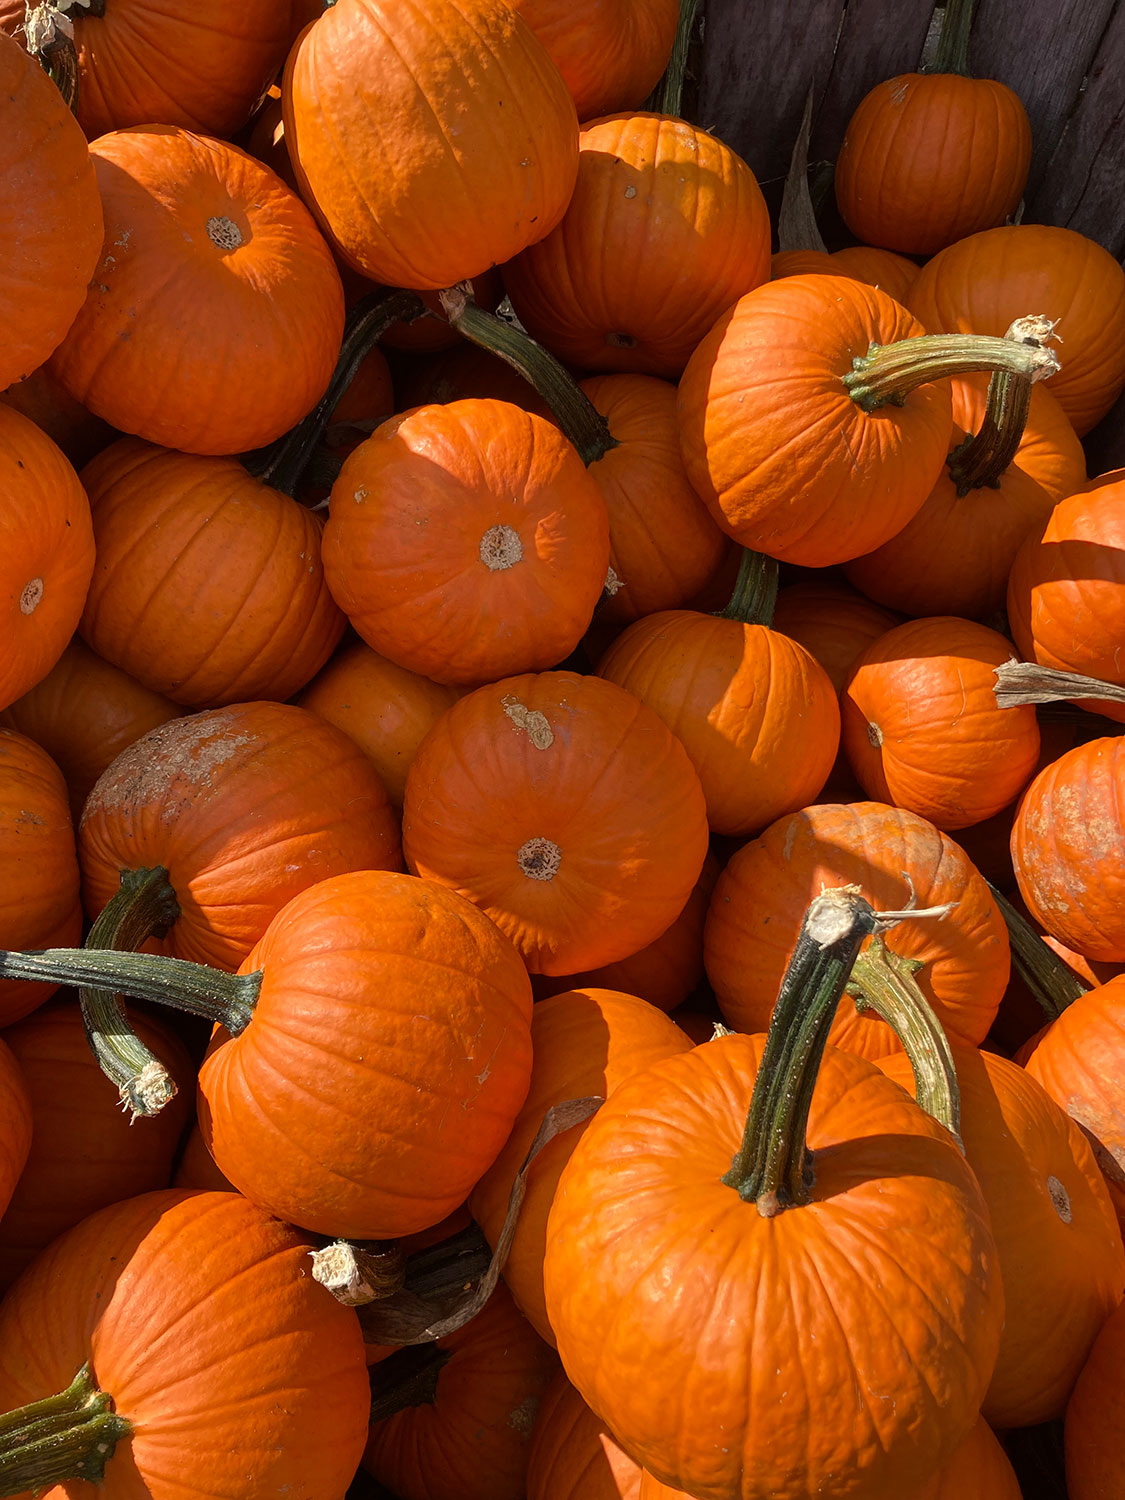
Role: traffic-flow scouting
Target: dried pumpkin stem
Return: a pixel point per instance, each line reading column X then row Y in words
column 144, row 906
column 797, row 228
column 49, row 37
column 1052, row 983
column 985, row 455
column 357, row 1274
column 406, row 1378
column 1020, row 682
column 72, row 1435
column 887, row 373
column 755, row 590
column 576, row 414
column 223, row 999
column 952, row 55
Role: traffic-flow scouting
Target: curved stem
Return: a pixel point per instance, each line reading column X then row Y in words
column 952, row 55
column 406, row 1378
column 797, row 228
column 358, row 1274
column 1052, row 983
column 144, row 906
column 50, row 38
column 755, row 590
column 1020, row 682
column 984, row 456
column 887, row 373
column 885, row 981
column 224, row 999
column 579, row 419
column 72, row 1435
column 283, row 463
column 670, row 89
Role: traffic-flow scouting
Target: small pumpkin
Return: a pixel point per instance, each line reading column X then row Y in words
column 573, row 1454
column 833, row 622
column 1095, row 1426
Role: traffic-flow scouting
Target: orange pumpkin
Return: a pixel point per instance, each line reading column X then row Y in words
column 892, row 273
column 197, row 1168
column 15, row 1123
column 573, row 1454
column 833, row 623
column 1095, row 1419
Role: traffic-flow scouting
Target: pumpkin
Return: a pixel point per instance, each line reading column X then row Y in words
column 573, row 1454
column 214, row 1352
column 39, row 903
column 15, row 1124
column 403, row 205
column 666, row 228
column 985, row 281
column 604, row 826
column 467, row 542
column 1062, row 1261
column 756, row 713
column 833, row 622
column 54, row 411
column 890, row 854
column 195, row 63
column 197, row 1169
column 51, row 212
column 678, row 1242
column 979, row 1467
column 806, row 438
column 452, row 1420
column 208, row 586
column 1095, row 1419
column 84, row 713
column 1066, row 592
column 428, row 335
column 892, row 273
column 192, row 219
column 922, row 729
column 385, row 709
column 85, row 1154
column 47, row 553
column 243, row 807
column 1068, row 849
column 585, row 1043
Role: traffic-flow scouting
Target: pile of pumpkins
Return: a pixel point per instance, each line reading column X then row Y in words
column 522, row 805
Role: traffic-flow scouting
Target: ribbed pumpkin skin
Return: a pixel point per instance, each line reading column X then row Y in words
column 208, row 585
column 585, row 1042
column 666, row 228
column 610, row 55
column 199, row 1317
column 85, row 1153
column 472, row 1441
column 245, row 807
column 202, row 64
column 190, row 220
column 785, row 460
column 1061, row 1256
column 929, row 158
column 833, row 623
column 922, row 728
column 604, row 826
column 46, row 554
column 755, row 712
column 387, row 1058
column 663, row 546
column 39, row 906
column 467, row 542
column 979, row 1468
column 51, row 213
column 15, row 1123
column 955, row 555
column 573, row 1456
column 1095, row 1419
column 1066, row 593
column 894, row 274
column 1068, row 849
column 385, row 709
column 983, row 283
column 895, row 1212
column 461, row 139
column 84, row 713
column 762, row 894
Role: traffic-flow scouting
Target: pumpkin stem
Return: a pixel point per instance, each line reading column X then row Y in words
column 983, row 457
column 952, row 54
column 755, row 590
column 49, row 37
column 1019, row 682
column 69, row 1436
column 885, row 982
column 144, row 906
column 887, row 373
column 223, row 999
column 357, row 1274
column 406, row 1378
column 1053, row 984
column 669, row 92
column 282, row 464
column 797, row 228
column 576, row 414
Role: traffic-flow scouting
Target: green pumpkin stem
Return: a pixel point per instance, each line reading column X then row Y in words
column 983, row 457
column 885, row 981
column 669, row 92
column 952, row 54
column 755, row 590
column 409, row 1377
column 69, row 1436
column 797, row 228
column 283, row 463
column 1053, row 984
column 576, row 414
column 887, row 373
column 1020, row 682
column 144, row 906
